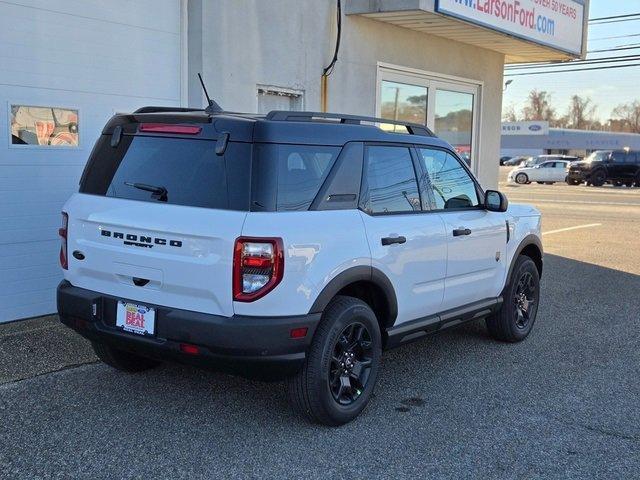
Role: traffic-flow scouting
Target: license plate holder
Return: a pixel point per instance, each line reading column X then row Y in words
column 136, row 318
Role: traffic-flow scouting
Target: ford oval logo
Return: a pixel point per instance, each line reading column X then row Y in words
column 535, row 128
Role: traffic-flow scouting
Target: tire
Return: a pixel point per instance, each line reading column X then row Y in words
column 311, row 392
column 514, row 321
column 598, row 178
column 522, row 178
column 121, row 360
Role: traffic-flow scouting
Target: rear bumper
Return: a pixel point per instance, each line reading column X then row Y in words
column 257, row 347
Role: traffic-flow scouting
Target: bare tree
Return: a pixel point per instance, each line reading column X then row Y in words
column 581, row 113
column 538, row 106
column 509, row 114
column 628, row 116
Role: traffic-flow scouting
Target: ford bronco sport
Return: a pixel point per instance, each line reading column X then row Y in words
column 294, row 245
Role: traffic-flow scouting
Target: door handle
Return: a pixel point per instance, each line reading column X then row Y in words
column 392, row 240
column 459, row 232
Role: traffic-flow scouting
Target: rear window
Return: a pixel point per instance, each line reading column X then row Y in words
column 161, row 169
column 288, row 177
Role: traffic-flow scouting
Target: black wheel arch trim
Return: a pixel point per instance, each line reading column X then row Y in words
column 353, row 275
column 526, row 241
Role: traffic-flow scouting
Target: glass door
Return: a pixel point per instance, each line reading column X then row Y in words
column 448, row 107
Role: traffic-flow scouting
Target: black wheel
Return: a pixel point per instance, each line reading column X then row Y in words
column 517, row 315
column 598, row 178
column 121, row 360
column 522, row 178
column 340, row 371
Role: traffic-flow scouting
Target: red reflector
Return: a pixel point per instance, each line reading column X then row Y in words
column 299, row 332
column 256, row 262
column 189, row 349
column 168, row 128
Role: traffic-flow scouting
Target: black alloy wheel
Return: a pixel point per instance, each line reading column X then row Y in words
column 515, row 319
column 598, row 178
column 351, row 362
column 524, row 300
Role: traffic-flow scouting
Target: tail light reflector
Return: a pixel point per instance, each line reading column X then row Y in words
column 62, row 231
column 258, row 266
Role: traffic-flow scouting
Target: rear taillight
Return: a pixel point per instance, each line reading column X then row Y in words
column 62, row 231
column 258, row 266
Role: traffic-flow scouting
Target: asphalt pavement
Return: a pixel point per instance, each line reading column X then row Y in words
column 563, row 404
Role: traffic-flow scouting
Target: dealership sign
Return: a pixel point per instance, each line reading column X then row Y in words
column 553, row 23
column 525, row 128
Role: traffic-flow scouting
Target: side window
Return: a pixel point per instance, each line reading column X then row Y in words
column 301, row 171
column 450, row 183
column 389, row 182
column 618, row 157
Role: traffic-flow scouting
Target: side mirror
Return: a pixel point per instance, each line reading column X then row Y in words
column 495, row 201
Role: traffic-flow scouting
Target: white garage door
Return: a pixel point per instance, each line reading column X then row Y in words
column 65, row 67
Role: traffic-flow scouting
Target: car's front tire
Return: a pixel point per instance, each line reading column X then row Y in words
column 522, row 178
column 515, row 319
column 598, row 178
column 338, row 376
column 121, row 360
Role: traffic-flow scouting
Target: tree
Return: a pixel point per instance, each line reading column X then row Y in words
column 581, row 113
column 538, row 106
column 628, row 116
column 509, row 114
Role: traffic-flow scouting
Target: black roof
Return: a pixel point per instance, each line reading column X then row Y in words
column 312, row 128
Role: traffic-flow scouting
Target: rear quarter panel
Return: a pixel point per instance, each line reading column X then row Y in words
column 318, row 245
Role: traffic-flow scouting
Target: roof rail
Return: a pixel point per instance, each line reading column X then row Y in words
column 152, row 109
column 286, row 115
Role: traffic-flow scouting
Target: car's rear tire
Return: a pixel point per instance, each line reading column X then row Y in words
column 122, row 360
column 598, row 178
column 340, row 371
column 515, row 319
column 522, row 178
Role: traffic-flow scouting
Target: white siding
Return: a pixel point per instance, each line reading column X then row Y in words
column 98, row 57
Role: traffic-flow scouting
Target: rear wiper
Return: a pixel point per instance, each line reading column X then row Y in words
column 160, row 192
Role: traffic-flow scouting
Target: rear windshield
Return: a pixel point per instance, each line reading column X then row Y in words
column 161, row 169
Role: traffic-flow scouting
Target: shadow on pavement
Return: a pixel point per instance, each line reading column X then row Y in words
column 564, row 403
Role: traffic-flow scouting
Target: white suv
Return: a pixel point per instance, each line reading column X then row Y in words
column 294, row 245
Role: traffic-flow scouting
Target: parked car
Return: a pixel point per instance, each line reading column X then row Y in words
column 548, row 172
column 539, row 159
column 504, row 159
column 515, row 161
column 618, row 167
column 287, row 246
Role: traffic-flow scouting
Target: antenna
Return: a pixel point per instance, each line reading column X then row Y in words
column 213, row 107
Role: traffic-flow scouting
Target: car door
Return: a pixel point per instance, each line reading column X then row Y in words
column 476, row 238
column 559, row 171
column 616, row 165
column 407, row 244
column 544, row 172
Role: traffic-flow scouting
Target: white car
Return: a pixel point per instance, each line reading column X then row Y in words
column 285, row 246
column 547, row 172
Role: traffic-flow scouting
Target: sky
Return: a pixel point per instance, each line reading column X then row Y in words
column 607, row 88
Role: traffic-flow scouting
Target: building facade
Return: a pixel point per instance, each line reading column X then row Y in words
column 68, row 66
column 536, row 138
